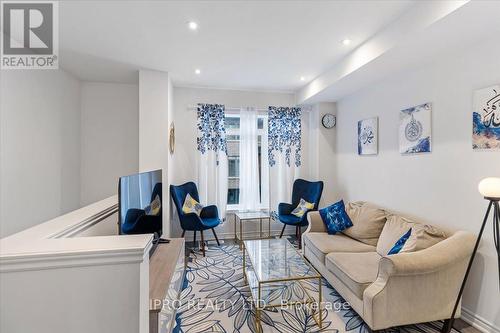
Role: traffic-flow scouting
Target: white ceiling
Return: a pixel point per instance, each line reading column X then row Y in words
column 429, row 32
column 239, row 44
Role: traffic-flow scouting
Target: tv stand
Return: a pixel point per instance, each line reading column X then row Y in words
column 166, row 274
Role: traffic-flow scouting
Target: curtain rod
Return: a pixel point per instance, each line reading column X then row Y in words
column 229, row 108
column 234, row 108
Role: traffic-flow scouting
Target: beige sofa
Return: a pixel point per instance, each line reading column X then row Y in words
column 414, row 286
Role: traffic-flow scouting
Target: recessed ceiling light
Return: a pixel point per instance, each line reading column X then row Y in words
column 346, row 41
column 193, row 25
column 197, row 71
column 302, row 78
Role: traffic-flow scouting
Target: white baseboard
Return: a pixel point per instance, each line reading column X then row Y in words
column 478, row 322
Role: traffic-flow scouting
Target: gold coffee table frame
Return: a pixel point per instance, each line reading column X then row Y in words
column 258, row 301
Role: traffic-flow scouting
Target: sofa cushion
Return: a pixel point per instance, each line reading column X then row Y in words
column 394, row 229
column 356, row 270
column 422, row 235
column 368, row 221
column 321, row 243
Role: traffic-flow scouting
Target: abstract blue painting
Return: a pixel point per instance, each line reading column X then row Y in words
column 415, row 130
column 368, row 136
column 486, row 119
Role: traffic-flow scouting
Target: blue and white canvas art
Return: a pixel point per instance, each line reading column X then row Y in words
column 415, row 130
column 368, row 136
column 486, row 119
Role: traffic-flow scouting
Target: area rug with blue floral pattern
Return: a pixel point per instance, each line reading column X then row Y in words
column 215, row 298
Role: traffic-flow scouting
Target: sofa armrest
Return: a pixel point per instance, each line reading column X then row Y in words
column 419, row 286
column 315, row 222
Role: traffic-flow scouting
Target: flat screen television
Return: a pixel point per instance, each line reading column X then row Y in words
column 140, row 203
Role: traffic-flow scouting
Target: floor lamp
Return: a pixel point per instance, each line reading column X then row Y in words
column 490, row 189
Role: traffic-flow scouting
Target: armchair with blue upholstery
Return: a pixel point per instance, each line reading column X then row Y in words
column 302, row 189
column 209, row 216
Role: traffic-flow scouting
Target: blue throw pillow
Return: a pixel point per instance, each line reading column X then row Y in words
column 335, row 218
column 400, row 243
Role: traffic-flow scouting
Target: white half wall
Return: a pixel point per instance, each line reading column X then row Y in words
column 39, row 147
column 438, row 187
column 109, row 137
column 93, row 298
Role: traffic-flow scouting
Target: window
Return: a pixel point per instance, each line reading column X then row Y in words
column 232, row 124
column 233, row 157
column 234, row 167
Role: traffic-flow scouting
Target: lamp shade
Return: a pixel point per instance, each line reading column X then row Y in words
column 490, row 187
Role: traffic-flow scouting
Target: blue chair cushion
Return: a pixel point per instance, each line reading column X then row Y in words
column 210, row 222
column 400, row 243
column 335, row 218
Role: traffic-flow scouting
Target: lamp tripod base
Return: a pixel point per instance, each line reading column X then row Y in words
column 494, row 203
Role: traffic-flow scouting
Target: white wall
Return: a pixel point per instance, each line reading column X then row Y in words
column 154, row 103
column 39, row 147
column 109, row 137
column 64, row 143
column 184, row 160
column 319, row 153
column 440, row 187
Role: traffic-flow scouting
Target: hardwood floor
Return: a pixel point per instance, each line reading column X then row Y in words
column 464, row 327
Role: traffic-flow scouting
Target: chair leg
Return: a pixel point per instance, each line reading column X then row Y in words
column 282, row 230
column 183, row 232
column 202, row 243
column 300, row 237
column 215, row 235
column 194, row 240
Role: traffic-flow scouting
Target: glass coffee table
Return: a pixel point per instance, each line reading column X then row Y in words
column 247, row 216
column 278, row 276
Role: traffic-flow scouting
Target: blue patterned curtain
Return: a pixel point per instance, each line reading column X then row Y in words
column 212, row 157
column 284, row 134
column 211, row 129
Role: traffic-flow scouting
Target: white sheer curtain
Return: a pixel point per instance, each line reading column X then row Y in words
column 281, row 181
column 266, row 184
column 249, row 160
column 212, row 180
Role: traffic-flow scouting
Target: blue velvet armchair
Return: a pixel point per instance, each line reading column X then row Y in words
column 302, row 189
column 209, row 216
